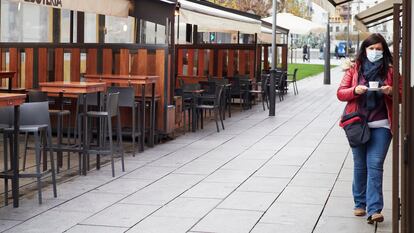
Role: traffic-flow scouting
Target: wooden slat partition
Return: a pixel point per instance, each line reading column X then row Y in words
column 242, row 62
column 180, row 57
column 107, row 61
column 190, row 66
column 29, row 68
column 92, row 61
column 201, row 60
column 211, row 62
column 59, row 64
column 142, row 62
column 75, row 64
column 220, row 63
column 14, row 65
column 42, row 64
column 251, row 64
column 230, row 66
column 124, row 61
column 160, row 86
column 266, row 57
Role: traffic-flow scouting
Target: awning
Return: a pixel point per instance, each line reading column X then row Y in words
column 210, row 19
column 378, row 14
column 338, row 2
column 295, row 24
column 105, row 7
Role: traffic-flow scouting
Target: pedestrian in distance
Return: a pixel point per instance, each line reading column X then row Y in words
column 305, row 53
column 367, row 87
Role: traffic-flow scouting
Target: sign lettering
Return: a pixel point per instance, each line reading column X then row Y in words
column 53, row 3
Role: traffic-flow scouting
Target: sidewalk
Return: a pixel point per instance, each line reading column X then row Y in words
column 288, row 174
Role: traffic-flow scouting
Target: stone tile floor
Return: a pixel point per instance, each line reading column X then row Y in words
column 290, row 174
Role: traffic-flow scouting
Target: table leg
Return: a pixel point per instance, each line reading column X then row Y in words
column 84, row 137
column 15, row 158
column 59, row 134
column 194, row 117
column 142, row 118
column 152, row 112
column 10, row 85
column 98, row 156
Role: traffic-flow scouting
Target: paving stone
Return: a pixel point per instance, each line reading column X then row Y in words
column 7, row 224
column 200, row 167
column 343, row 225
column 185, row 207
column 95, row 229
column 281, row 228
column 304, row 195
column 154, row 195
column 124, row 186
column 220, row 220
column 264, row 184
column 277, row 171
column 149, row 172
column 156, row 224
column 316, row 180
column 228, row 176
column 121, row 215
column 28, row 208
column 239, row 200
column 211, row 190
column 91, row 202
column 304, row 215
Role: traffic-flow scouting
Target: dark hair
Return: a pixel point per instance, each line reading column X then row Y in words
column 387, row 57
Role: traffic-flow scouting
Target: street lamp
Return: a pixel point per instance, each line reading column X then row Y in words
column 272, row 95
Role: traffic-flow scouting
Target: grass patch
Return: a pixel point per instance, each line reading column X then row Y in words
column 306, row 70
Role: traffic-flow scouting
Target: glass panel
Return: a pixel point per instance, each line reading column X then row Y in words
column 66, row 67
column 90, row 28
column 160, row 34
column 65, row 26
column 27, row 23
column 119, row 30
column 149, row 32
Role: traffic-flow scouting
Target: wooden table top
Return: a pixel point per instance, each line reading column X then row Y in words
column 122, row 79
column 7, row 74
column 8, row 99
column 72, row 87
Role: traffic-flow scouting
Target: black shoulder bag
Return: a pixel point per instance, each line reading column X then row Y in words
column 356, row 129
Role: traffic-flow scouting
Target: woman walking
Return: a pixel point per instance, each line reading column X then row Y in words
column 372, row 67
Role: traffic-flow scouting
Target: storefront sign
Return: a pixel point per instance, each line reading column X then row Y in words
column 105, row 7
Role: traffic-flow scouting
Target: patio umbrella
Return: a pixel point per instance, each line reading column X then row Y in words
column 295, row 24
column 105, row 7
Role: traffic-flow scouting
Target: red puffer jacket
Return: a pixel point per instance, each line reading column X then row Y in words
column 346, row 93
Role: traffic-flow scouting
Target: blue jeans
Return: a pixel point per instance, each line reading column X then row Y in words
column 368, row 171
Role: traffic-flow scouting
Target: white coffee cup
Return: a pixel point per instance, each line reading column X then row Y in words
column 373, row 84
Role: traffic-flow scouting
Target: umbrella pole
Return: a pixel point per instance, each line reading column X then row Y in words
column 272, row 94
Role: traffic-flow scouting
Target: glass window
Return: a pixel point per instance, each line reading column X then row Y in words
column 65, row 26
column 90, row 28
column 160, row 38
column 119, row 30
column 27, row 23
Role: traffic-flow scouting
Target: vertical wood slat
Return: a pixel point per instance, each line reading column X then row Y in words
column 92, row 61
column 107, row 61
column 14, row 65
column 190, row 65
column 180, row 57
column 242, row 62
column 42, row 65
column 211, row 62
column 266, row 57
column 59, row 66
column 259, row 60
column 201, row 59
column 142, row 62
column 220, row 63
column 124, row 61
column 251, row 64
column 160, row 86
column 75, row 64
column 230, row 66
column 29, row 68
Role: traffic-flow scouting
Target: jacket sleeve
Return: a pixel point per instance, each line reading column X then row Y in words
column 346, row 90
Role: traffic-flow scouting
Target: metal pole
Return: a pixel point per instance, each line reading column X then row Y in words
column 272, row 95
column 327, row 77
column 347, row 33
column 359, row 10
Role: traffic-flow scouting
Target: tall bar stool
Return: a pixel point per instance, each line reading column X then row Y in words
column 127, row 99
column 111, row 110
column 34, row 119
column 39, row 96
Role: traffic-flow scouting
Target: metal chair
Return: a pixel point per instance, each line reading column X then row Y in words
column 293, row 81
column 263, row 90
column 35, row 119
column 39, row 96
column 127, row 99
column 111, row 110
column 216, row 106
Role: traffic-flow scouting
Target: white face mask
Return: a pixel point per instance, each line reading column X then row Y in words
column 374, row 55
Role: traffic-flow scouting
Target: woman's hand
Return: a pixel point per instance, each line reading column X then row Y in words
column 360, row 89
column 386, row 90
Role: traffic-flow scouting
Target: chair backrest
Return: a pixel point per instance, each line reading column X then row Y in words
column 36, row 113
column 264, row 81
column 6, row 116
column 219, row 94
column 91, row 99
column 235, row 84
column 180, row 82
column 37, row 96
column 126, row 96
column 219, row 81
column 209, row 87
column 191, row 86
column 112, row 104
column 295, row 73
